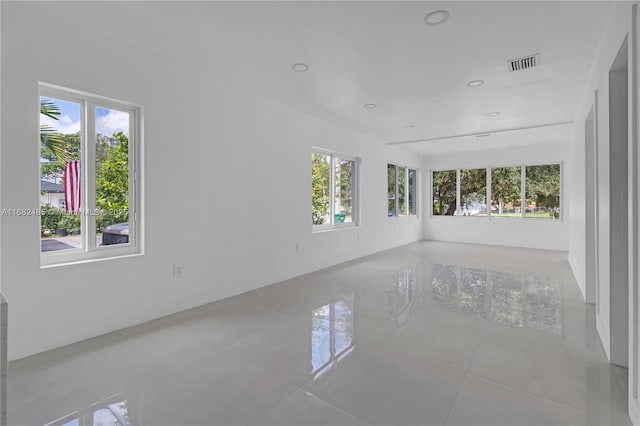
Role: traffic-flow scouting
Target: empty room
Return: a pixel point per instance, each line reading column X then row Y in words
column 319, row 213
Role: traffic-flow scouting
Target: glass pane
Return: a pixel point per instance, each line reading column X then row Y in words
column 542, row 187
column 344, row 190
column 320, row 188
column 444, row 193
column 506, row 193
column 391, row 190
column 112, row 176
column 473, row 192
column 413, row 203
column 402, row 199
column 60, row 200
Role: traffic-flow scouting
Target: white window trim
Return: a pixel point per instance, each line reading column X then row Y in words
column 407, row 214
column 523, row 167
column 89, row 251
column 355, row 206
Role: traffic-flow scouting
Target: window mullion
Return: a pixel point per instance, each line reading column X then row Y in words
column 89, row 176
column 488, row 195
column 458, row 203
column 332, row 190
column 523, row 194
column 133, row 179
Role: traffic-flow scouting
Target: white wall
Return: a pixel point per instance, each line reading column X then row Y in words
column 531, row 233
column 618, row 26
column 229, row 159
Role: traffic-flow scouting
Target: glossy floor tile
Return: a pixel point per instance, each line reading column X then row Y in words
column 425, row 334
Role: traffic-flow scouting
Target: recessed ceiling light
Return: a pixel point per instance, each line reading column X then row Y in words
column 436, row 17
column 475, row 83
column 483, row 135
column 408, row 127
column 370, row 106
column 300, row 67
column 493, row 114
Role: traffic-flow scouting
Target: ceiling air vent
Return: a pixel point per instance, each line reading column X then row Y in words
column 524, row 63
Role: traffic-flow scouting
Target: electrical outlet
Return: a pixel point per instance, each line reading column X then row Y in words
column 177, row 270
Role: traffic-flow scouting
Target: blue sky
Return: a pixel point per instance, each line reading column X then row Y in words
column 108, row 121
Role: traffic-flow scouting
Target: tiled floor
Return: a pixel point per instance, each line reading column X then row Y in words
column 430, row 333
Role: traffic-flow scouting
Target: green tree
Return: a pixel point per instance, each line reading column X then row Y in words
column 53, row 169
column 444, row 192
column 345, row 184
column 473, row 186
column 505, row 186
column 543, row 187
column 320, row 188
column 112, row 181
column 391, row 189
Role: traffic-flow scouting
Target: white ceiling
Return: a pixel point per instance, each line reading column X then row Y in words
column 383, row 53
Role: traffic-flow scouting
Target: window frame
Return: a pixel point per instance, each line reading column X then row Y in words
column 416, row 180
column 355, row 197
column 90, row 251
column 489, row 168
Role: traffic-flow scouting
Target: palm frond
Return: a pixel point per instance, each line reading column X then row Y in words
column 53, row 141
column 49, row 108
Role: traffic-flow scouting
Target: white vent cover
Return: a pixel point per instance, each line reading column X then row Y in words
column 524, row 63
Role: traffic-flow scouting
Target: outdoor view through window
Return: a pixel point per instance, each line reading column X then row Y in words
column 80, row 202
column 464, row 192
column 332, row 190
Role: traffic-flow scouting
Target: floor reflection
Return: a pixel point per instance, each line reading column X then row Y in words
column 332, row 334
column 112, row 411
column 402, row 295
column 513, row 299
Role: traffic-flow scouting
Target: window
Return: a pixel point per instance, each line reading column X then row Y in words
column 506, row 192
column 515, row 192
column 473, row 192
column 89, row 146
column 333, row 190
column 413, row 200
column 444, row 192
column 391, row 190
column 542, row 188
column 401, row 191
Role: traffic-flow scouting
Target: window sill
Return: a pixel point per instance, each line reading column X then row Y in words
column 321, row 229
column 47, row 262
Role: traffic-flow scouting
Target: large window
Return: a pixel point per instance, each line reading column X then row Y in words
column 542, row 188
column 89, row 148
column 531, row 191
column 444, row 192
column 473, row 192
column 333, row 190
column 401, row 191
column 506, row 192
